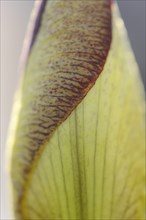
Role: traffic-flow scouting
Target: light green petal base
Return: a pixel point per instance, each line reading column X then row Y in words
column 93, row 166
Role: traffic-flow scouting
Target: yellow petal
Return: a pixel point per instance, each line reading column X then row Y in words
column 92, row 165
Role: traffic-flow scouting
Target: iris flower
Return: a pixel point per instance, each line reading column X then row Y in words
column 76, row 139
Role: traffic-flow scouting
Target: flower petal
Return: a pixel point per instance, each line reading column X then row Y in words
column 92, row 165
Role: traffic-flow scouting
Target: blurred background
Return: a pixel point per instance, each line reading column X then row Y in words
column 14, row 19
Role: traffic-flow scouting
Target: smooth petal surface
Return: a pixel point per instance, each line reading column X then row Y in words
column 92, row 166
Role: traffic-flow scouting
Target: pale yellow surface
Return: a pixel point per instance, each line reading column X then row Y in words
column 93, row 165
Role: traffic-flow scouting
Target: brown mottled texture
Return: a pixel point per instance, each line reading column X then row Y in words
column 68, row 55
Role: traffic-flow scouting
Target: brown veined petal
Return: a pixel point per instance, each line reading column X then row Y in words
column 92, row 164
